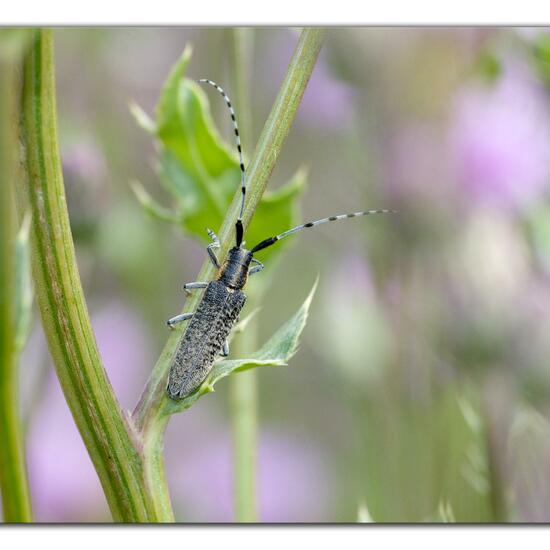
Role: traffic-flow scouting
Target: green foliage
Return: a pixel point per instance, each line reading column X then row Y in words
column 538, row 227
column 274, row 353
column 200, row 170
column 23, row 286
column 444, row 514
column 425, row 463
column 13, row 42
column 488, row 67
column 541, row 56
column 528, row 450
column 15, row 294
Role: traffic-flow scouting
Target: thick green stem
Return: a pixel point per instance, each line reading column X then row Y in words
column 14, row 486
column 154, row 472
column 263, row 161
column 244, row 388
column 112, row 444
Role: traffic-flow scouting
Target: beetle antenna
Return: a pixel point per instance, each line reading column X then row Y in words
column 272, row 240
column 239, row 225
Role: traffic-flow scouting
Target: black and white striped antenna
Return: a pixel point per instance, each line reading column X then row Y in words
column 239, row 224
column 272, row 240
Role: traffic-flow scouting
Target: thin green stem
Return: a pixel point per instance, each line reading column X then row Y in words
column 244, row 417
column 497, row 491
column 263, row 161
column 14, row 485
column 111, row 442
column 244, row 388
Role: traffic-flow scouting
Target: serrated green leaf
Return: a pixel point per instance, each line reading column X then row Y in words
column 201, row 171
column 23, row 286
column 167, row 111
column 278, row 211
column 284, row 343
column 196, row 166
column 277, row 351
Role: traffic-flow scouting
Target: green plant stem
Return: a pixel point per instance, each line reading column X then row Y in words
column 497, row 493
column 147, row 416
column 244, row 418
column 263, row 161
column 244, row 388
column 14, row 485
column 111, row 442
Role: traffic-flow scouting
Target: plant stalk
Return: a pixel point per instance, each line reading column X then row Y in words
column 111, row 442
column 244, row 388
column 244, row 418
column 16, row 503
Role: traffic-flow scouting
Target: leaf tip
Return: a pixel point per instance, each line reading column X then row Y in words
column 187, row 52
column 139, row 191
column 142, row 119
column 302, row 173
column 241, row 326
column 309, row 298
column 152, row 208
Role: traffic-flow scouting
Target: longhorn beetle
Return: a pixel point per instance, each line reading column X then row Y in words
column 223, row 299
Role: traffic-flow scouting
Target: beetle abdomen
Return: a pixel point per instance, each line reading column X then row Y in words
column 204, row 338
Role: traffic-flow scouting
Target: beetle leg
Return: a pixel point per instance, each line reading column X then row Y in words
column 225, row 349
column 178, row 319
column 214, row 244
column 190, row 286
column 258, row 267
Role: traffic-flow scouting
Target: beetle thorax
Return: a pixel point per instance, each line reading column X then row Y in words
column 234, row 271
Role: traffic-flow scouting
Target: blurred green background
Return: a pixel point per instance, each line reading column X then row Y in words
column 421, row 389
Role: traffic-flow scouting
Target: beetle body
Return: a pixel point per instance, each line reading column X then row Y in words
column 210, row 325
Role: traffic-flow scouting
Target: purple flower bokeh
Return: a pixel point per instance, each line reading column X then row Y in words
column 499, row 140
column 415, row 163
column 64, row 484
column 530, row 34
column 84, row 160
column 293, row 482
column 125, row 350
